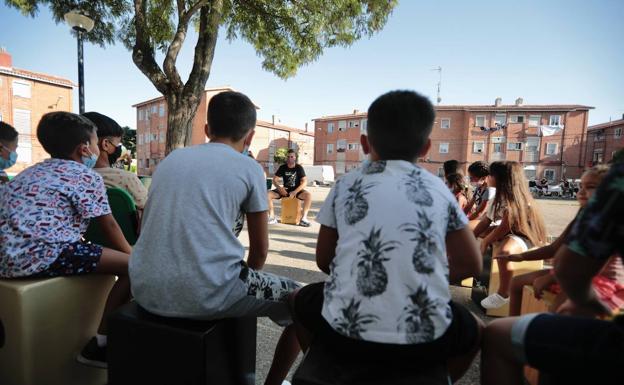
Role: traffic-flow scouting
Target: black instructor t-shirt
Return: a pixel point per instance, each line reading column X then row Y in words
column 291, row 176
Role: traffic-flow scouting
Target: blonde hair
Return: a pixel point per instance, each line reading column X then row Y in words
column 512, row 195
column 599, row 170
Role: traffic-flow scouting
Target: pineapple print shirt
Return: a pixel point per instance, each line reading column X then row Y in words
column 389, row 279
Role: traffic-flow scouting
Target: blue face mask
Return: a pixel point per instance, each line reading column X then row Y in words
column 89, row 161
column 245, row 151
column 6, row 163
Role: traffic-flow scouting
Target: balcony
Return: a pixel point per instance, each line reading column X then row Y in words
column 530, row 156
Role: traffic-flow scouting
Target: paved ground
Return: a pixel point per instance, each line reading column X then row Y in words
column 291, row 253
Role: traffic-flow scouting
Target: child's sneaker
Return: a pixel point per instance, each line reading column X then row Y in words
column 494, row 301
column 272, row 220
column 304, row 223
column 93, row 355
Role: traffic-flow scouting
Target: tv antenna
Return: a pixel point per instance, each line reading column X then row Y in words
column 439, row 69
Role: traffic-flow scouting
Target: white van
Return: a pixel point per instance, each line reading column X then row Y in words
column 322, row 175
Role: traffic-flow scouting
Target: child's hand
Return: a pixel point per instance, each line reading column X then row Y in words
column 510, row 257
column 540, row 284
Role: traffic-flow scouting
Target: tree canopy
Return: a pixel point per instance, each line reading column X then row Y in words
column 285, row 33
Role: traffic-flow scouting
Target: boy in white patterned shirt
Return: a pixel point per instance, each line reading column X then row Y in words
column 386, row 230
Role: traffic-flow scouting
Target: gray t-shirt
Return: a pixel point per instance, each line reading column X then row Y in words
column 186, row 262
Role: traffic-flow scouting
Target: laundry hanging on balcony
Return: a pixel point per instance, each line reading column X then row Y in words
column 549, row 130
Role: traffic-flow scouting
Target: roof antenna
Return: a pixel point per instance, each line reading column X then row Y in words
column 439, row 69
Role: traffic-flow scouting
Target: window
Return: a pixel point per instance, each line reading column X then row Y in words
column 441, row 172
column 535, row 120
column 599, row 135
column 330, row 148
column 162, row 137
column 517, row 118
column 498, row 148
column 549, row 174
column 514, row 146
column 551, row 148
column 341, row 145
column 598, row 156
column 477, row 147
column 555, row 120
column 500, row 119
column 342, row 125
column 353, row 123
column 617, row 134
column 532, row 144
column 146, row 138
column 161, row 110
column 154, row 109
column 480, row 121
column 330, row 127
column 444, row 148
column 445, row 123
column 21, row 89
column 139, row 139
column 363, row 126
column 352, row 146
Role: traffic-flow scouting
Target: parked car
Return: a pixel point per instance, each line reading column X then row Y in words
column 321, row 175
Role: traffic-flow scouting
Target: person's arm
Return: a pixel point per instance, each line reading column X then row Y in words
column 483, row 225
column 469, row 205
column 326, row 247
column 477, row 213
column 112, row 232
column 276, row 181
column 258, row 231
column 499, row 232
column 464, row 257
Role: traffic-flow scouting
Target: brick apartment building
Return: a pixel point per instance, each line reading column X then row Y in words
column 549, row 140
column 603, row 140
column 152, row 128
column 25, row 96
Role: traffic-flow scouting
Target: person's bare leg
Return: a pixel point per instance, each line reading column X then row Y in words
column 498, row 362
column 286, row 353
column 115, row 263
column 271, row 195
column 303, row 335
column 306, row 197
column 507, row 246
column 457, row 366
column 517, row 286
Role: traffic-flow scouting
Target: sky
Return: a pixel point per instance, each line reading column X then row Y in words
column 547, row 52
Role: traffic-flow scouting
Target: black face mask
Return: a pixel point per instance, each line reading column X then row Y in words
column 112, row 158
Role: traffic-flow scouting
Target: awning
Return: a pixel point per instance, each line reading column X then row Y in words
column 530, row 168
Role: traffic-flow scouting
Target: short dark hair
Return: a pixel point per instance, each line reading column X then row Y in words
column 399, row 124
column 231, row 115
column 105, row 125
column 291, row 151
column 61, row 132
column 451, row 167
column 8, row 134
column 480, row 169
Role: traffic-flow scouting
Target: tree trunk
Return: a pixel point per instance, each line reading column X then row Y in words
column 180, row 115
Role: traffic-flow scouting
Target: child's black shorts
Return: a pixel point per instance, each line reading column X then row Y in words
column 461, row 337
column 76, row 259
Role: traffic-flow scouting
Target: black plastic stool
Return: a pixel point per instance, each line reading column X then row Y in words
column 321, row 366
column 147, row 349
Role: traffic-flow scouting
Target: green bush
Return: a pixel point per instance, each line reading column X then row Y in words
column 280, row 155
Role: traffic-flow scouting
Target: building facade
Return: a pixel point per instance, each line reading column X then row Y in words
column 548, row 140
column 603, row 140
column 25, row 96
column 152, row 129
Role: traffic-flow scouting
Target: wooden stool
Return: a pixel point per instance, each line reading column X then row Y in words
column 144, row 348
column 291, row 211
column 45, row 323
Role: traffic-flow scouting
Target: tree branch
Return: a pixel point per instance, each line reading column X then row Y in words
column 184, row 18
column 209, row 20
column 143, row 51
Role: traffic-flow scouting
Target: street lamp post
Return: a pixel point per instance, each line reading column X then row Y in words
column 81, row 24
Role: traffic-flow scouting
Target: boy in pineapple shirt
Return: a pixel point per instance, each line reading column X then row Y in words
column 392, row 237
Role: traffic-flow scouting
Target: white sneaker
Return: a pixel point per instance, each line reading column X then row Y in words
column 494, row 301
column 285, row 382
column 272, row 220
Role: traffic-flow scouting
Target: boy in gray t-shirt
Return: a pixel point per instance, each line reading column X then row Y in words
column 188, row 262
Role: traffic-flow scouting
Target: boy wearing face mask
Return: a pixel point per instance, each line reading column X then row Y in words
column 46, row 209
column 109, row 142
column 8, row 144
